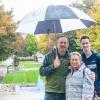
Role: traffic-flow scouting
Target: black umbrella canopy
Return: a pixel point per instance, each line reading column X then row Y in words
column 57, row 12
column 48, row 26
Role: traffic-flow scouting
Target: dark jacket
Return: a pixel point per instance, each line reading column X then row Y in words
column 55, row 78
column 93, row 63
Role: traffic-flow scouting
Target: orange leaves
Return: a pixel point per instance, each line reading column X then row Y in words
column 5, row 20
column 19, row 44
column 2, row 30
column 79, row 34
column 7, row 25
column 46, row 42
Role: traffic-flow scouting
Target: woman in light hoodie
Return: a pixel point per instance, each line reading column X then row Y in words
column 79, row 84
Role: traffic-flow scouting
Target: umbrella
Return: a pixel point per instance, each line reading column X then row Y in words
column 54, row 19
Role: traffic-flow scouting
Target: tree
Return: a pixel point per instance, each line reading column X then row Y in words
column 92, row 8
column 7, row 35
column 31, row 44
column 85, row 5
column 73, row 46
column 19, row 44
column 94, row 31
column 43, row 44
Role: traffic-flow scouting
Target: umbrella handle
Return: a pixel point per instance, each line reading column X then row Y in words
column 56, row 50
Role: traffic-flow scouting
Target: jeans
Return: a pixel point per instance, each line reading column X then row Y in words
column 54, row 96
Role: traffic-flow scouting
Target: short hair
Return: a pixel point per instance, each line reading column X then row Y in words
column 84, row 37
column 76, row 53
column 63, row 36
column 60, row 35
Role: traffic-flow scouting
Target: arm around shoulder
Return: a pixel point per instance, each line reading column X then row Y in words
column 90, row 75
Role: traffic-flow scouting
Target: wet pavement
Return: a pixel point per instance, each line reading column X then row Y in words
column 36, row 95
column 15, row 92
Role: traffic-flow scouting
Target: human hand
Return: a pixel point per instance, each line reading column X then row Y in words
column 92, row 76
column 56, row 62
column 97, row 97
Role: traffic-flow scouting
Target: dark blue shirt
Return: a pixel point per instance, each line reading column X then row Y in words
column 93, row 63
column 90, row 62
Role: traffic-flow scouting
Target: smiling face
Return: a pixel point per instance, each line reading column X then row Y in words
column 86, row 44
column 62, row 45
column 75, row 61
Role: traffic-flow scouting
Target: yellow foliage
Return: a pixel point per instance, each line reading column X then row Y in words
column 5, row 20
column 2, row 31
column 94, row 31
column 7, row 25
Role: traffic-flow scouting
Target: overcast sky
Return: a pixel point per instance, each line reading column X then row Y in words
column 22, row 7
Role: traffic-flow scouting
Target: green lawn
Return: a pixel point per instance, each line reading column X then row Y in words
column 23, row 77
column 29, row 77
column 29, row 64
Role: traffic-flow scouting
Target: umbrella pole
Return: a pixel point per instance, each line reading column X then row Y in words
column 55, row 48
column 54, row 28
column 55, row 37
column 56, row 53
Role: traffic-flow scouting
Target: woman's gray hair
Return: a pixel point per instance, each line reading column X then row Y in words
column 76, row 53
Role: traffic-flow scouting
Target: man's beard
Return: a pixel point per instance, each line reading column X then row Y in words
column 62, row 51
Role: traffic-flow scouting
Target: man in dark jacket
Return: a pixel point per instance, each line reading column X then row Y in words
column 92, row 60
column 55, row 69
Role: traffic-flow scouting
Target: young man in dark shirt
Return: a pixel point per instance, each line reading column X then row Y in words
column 91, row 60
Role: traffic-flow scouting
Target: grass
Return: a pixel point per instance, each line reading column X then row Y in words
column 23, row 77
column 29, row 77
column 29, row 64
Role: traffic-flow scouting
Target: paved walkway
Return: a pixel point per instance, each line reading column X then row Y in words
column 22, row 96
column 21, row 93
